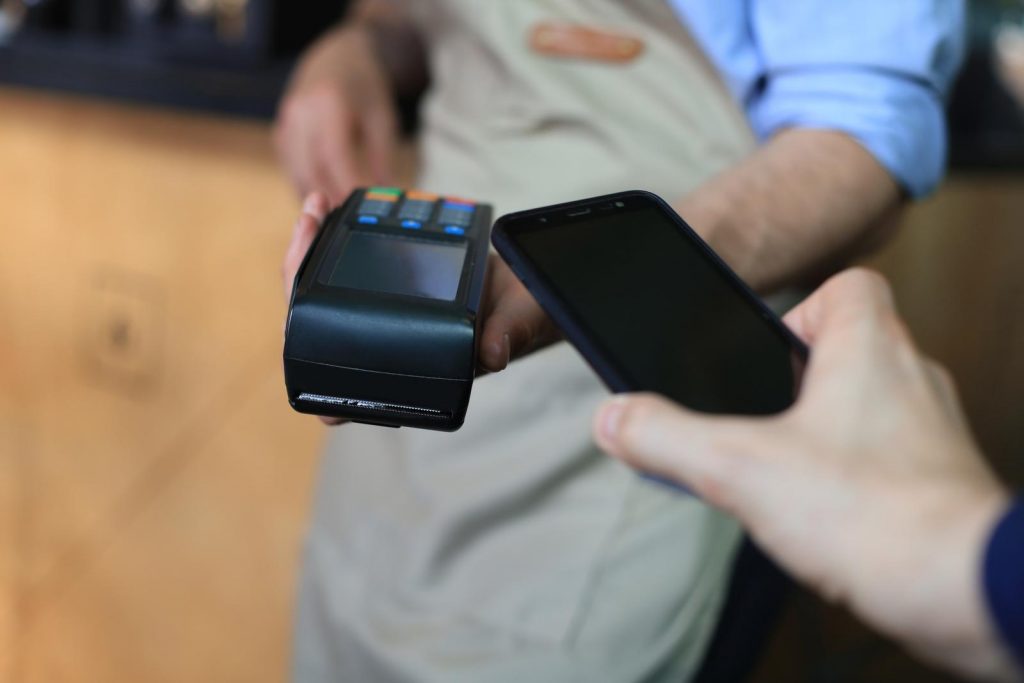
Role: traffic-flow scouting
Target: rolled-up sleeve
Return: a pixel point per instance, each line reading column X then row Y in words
column 1004, row 579
column 877, row 70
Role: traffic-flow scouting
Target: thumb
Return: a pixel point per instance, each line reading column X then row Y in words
column 516, row 326
column 514, row 322
column 713, row 456
column 314, row 210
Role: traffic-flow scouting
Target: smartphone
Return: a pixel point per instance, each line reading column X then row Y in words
column 650, row 306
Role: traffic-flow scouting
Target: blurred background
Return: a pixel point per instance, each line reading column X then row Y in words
column 154, row 483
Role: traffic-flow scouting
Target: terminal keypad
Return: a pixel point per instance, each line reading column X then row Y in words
column 416, row 210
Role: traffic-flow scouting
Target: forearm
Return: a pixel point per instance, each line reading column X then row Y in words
column 388, row 31
column 804, row 203
column 397, row 42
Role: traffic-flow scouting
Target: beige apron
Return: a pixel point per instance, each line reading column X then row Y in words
column 513, row 550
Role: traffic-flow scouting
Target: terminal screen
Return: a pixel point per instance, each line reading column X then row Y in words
column 405, row 266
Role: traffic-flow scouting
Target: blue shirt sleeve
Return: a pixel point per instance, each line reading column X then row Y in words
column 878, row 70
column 1004, row 579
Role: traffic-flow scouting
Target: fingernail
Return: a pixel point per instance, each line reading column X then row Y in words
column 310, row 205
column 501, row 350
column 611, row 419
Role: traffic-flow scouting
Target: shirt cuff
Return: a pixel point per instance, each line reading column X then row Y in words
column 1004, row 579
column 900, row 121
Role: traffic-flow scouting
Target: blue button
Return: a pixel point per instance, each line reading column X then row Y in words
column 454, row 230
column 412, row 225
column 458, row 207
column 369, row 220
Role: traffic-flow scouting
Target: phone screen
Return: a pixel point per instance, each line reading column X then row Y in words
column 660, row 310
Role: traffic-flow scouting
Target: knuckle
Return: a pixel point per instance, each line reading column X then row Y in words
column 326, row 96
column 944, row 375
column 290, row 265
column 321, row 97
column 383, row 115
column 718, row 489
column 869, row 281
column 867, row 298
column 896, row 329
column 730, row 466
column 941, row 374
column 321, row 91
column 291, row 108
column 283, row 134
column 637, row 414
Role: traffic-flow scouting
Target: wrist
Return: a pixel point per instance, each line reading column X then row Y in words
column 952, row 625
column 396, row 47
column 345, row 58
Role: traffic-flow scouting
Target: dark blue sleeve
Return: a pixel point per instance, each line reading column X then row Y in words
column 1004, row 578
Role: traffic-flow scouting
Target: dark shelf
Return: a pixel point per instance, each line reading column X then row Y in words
column 123, row 71
column 986, row 124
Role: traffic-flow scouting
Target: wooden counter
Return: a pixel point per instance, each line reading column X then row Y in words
column 153, row 481
column 957, row 269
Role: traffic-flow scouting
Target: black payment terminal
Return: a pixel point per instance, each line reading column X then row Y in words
column 383, row 318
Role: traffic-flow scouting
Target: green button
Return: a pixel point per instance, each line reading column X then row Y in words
column 393, row 191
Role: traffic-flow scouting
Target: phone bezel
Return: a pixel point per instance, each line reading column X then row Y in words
column 575, row 329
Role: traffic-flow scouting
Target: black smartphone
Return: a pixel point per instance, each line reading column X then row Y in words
column 650, row 306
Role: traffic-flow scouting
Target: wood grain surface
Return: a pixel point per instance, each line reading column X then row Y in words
column 154, row 481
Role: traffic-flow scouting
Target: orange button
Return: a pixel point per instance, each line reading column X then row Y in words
column 419, row 195
column 460, row 200
column 381, row 197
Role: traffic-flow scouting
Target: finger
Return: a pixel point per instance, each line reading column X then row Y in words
column 324, row 182
column 940, row 377
column 494, row 349
column 336, row 160
column 945, row 386
column 299, row 171
column 303, row 235
column 515, row 326
column 711, row 455
column 295, row 143
column 306, row 227
column 845, row 298
column 315, row 144
column 380, row 133
column 316, row 205
column 314, row 211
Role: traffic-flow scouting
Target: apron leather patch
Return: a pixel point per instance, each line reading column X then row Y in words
column 572, row 41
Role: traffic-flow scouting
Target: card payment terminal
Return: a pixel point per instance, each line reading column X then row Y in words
column 382, row 323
